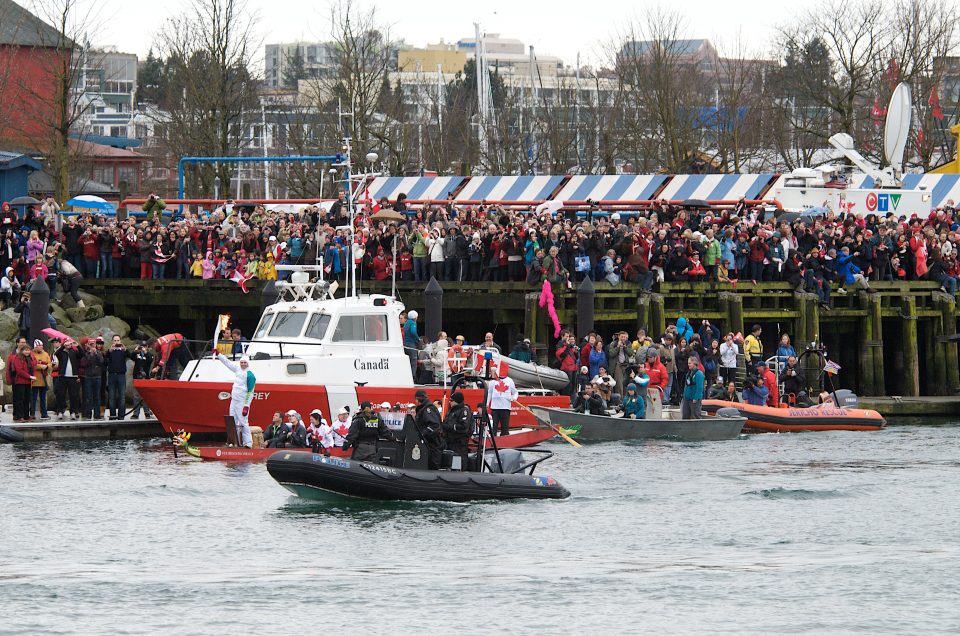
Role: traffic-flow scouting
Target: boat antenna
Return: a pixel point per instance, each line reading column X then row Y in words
column 347, row 149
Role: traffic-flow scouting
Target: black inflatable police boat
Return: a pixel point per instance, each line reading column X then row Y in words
column 314, row 476
column 400, row 472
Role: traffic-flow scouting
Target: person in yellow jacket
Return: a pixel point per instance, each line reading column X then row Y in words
column 752, row 347
column 267, row 269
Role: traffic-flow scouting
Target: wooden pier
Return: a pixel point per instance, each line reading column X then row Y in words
column 895, row 342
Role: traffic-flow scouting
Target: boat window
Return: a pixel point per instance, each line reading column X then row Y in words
column 264, row 326
column 361, row 329
column 289, row 324
column 317, row 327
column 297, row 368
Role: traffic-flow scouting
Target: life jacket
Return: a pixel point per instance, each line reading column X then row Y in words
column 457, row 358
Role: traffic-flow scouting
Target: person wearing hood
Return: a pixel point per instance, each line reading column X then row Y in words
column 430, row 427
column 241, row 395
column 634, row 406
column 457, row 427
column 366, row 429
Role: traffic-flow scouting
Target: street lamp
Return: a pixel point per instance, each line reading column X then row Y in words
column 216, row 187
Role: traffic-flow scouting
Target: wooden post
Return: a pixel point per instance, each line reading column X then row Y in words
column 879, row 380
column 643, row 313
column 867, row 337
column 531, row 317
column 812, row 337
column 658, row 317
column 433, row 308
column 948, row 309
column 735, row 313
column 911, row 362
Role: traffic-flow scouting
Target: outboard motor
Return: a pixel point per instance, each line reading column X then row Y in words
column 845, row 398
column 728, row 411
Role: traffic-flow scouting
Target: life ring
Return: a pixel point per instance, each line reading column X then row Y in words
column 10, row 435
column 459, row 358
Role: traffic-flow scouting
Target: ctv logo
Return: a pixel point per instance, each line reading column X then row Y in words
column 882, row 202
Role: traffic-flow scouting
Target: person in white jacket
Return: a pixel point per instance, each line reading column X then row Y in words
column 500, row 398
column 728, row 359
column 240, row 396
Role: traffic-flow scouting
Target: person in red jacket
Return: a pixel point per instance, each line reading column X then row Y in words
column 21, row 374
column 568, row 354
column 90, row 244
column 659, row 379
column 769, row 380
column 170, row 346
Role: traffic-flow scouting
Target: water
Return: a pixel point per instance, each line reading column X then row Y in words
column 805, row 533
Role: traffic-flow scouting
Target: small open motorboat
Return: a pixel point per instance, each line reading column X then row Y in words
column 824, row 417
column 603, row 428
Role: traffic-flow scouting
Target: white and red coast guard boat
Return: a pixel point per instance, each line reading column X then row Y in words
column 310, row 350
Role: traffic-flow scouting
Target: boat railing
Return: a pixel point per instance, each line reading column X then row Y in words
column 207, row 346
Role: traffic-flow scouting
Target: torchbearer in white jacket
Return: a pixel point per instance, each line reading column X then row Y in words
column 500, row 398
column 240, row 396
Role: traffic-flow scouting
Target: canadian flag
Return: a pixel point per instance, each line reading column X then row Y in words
column 935, row 111
column 374, row 205
column 241, row 280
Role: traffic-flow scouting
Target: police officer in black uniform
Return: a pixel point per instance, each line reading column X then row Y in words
column 365, row 429
column 457, row 427
column 430, row 427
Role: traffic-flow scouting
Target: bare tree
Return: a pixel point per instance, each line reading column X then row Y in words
column 363, row 54
column 62, row 82
column 209, row 85
column 663, row 91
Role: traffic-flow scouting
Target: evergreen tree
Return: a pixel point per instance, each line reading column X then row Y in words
column 294, row 69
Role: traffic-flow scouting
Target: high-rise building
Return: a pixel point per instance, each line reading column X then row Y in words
column 316, row 59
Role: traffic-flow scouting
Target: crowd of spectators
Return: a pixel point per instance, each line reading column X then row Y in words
column 454, row 242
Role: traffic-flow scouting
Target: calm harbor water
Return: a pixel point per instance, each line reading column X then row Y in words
column 771, row 534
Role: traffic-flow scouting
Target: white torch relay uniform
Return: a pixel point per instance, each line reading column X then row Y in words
column 240, row 397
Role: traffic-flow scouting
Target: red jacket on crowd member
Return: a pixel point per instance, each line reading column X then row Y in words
column 91, row 246
column 166, row 344
column 566, row 354
column 770, row 381
column 657, row 374
column 20, row 369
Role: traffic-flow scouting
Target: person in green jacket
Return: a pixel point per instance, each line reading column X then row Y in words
column 712, row 257
column 421, row 260
column 154, row 207
column 692, row 391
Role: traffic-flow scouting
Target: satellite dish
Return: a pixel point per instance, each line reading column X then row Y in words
column 897, row 126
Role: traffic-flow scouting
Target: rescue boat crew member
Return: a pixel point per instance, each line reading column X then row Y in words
column 170, row 346
column 365, row 430
column 430, row 428
column 240, row 396
column 457, row 427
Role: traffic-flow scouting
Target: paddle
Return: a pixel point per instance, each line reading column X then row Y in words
column 549, row 424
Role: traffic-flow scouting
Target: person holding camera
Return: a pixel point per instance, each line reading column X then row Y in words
column 793, row 380
column 142, row 363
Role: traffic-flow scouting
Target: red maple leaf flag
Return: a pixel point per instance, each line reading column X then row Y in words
column 501, row 387
column 935, row 111
column 241, row 280
column 876, row 112
column 919, row 139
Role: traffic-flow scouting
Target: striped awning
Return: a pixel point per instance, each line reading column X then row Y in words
column 627, row 187
column 716, row 187
column 509, row 188
column 416, row 188
column 942, row 187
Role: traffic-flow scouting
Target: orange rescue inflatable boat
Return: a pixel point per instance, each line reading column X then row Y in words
column 825, row 417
